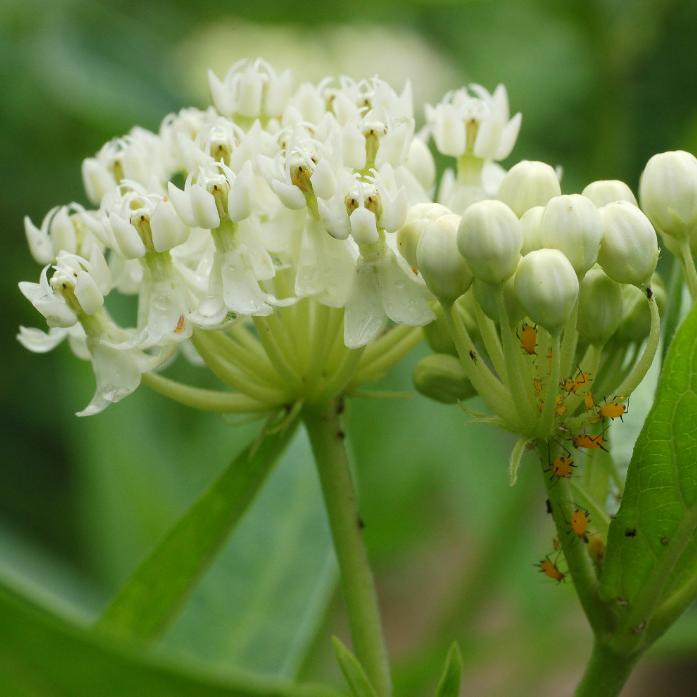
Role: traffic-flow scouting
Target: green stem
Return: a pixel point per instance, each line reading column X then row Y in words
column 606, row 673
column 688, row 264
column 672, row 314
column 568, row 346
column 637, row 374
column 545, row 425
column 488, row 386
column 324, row 427
column 206, row 400
column 582, row 572
column 374, row 368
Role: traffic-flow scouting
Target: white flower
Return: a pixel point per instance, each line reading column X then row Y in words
column 475, row 123
column 251, row 89
column 383, row 289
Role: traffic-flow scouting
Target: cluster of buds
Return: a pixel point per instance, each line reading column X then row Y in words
column 549, row 303
column 293, row 240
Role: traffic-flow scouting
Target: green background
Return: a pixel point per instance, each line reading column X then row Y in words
column 602, row 85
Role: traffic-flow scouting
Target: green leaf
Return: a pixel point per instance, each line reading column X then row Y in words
column 449, row 685
column 652, row 545
column 261, row 602
column 42, row 655
column 156, row 590
column 353, row 671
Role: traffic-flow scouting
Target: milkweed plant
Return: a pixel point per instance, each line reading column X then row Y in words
column 295, row 241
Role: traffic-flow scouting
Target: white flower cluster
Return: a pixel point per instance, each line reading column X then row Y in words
column 272, row 196
column 278, row 234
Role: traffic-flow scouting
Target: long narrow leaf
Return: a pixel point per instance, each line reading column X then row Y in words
column 155, row 592
column 43, row 655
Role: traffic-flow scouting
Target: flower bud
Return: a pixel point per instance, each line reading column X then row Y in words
column 418, row 217
column 629, row 249
column 668, row 193
column 531, row 228
column 441, row 378
column 547, row 287
column 437, row 334
column 444, row 270
column 608, row 191
column 599, row 307
column 572, row 225
column 490, row 239
column 636, row 321
column 529, row 184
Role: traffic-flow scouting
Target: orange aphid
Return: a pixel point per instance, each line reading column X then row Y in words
column 613, row 410
column 589, row 441
column 551, row 570
column 580, row 520
column 180, row 325
column 562, row 467
column 559, row 406
column 537, row 386
column 575, row 383
column 528, row 338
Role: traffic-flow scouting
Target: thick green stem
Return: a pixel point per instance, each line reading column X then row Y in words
column 606, row 673
column 323, row 423
column 580, row 567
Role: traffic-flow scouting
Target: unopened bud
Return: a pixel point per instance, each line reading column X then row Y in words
column 437, row 334
column 418, row 217
column 528, row 184
column 490, row 239
column 629, row 249
column 599, row 307
column 441, row 378
column 668, row 193
column 572, row 224
column 530, row 225
column 636, row 321
column 608, row 191
column 446, row 273
column 547, row 287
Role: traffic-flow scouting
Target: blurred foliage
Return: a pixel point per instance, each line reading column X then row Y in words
column 602, row 85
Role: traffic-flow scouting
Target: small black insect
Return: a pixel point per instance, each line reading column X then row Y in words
column 630, row 532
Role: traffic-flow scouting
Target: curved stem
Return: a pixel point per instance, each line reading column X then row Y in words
column 372, row 368
column 488, row 386
column 276, row 355
column 606, row 673
column 198, row 398
column 323, row 423
column 580, row 568
column 492, row 343
column 688, row 264
column 672, row 314
column 636, row 375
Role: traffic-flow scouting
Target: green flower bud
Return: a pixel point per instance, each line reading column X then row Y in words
column 547, row 287
column 531, row 228
column 572, row 225
column 668, row 193
column 437, row 334
column 446, row 273
column 486, row 294
column 442, row 378
column 599, row 307
column 490, row 238
column 418, row 217
column 528, row 184
column 629, row 249
column 609, row 191
column 636, row 320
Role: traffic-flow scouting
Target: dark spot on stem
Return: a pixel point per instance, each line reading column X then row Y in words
column 630, row 532
column 360, row 523
column 548, row 505
column 664, row 540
